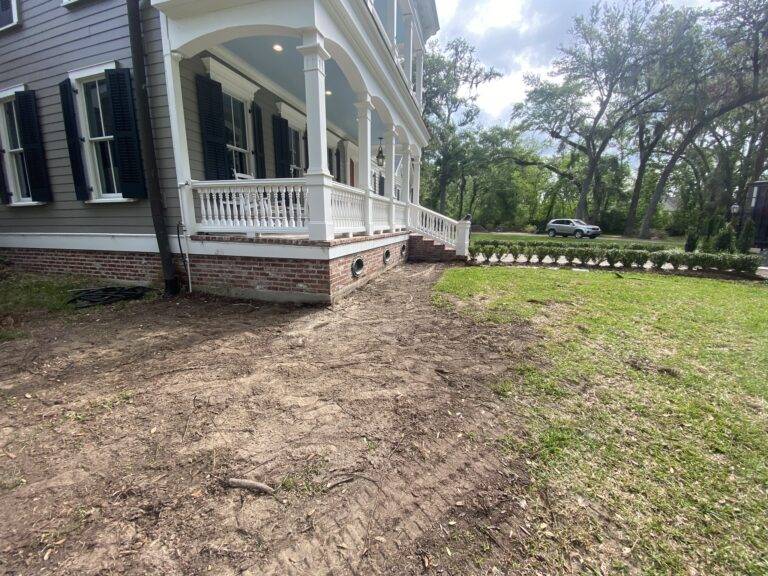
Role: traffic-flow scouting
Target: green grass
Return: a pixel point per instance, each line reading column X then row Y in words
column 645, row 402
column 520, row 237
column 21, row 293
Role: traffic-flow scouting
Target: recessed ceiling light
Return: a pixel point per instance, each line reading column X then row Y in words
column 277, row 48
column 328, row 93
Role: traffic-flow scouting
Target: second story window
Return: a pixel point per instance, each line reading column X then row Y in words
column 100, row 138
column 18, row 172
column 9, row 13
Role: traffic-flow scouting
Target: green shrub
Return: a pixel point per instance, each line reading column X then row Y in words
column 692, row 240
column 747, row 237
column 724, row 262
column 724, row 240
column 612, row 257
column 658, row 259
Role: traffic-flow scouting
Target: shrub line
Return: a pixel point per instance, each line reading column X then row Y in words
column 695, row 263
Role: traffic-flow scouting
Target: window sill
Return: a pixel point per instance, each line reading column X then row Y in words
column 110, row 201
column 18, row 204
column 9, row 26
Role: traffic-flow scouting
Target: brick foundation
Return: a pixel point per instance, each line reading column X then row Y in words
column 276, row 279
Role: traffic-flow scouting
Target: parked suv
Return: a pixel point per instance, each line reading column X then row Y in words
column 570, row 227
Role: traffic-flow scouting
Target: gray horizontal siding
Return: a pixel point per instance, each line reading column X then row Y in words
column 51, row 41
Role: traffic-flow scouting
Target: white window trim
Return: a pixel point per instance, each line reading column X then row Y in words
column 78, row 78
column 16, row 201
column 15, row 12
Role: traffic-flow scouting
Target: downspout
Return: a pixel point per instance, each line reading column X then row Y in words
column 148, row 156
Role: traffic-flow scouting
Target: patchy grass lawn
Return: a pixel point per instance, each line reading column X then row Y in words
column 520, row 237
column 646, row 403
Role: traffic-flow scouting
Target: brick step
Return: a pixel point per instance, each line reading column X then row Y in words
column 423, row 249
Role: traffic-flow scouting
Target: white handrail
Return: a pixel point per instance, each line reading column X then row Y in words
column 441, row 228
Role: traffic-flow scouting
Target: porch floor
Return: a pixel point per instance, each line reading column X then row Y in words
column 294, row 239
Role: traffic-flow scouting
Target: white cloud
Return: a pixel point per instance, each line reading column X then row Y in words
column 490, row 14
column 497, row 97
column 446, row 10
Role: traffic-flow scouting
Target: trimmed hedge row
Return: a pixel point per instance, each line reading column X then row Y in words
column 597, row 255
column 647, row 246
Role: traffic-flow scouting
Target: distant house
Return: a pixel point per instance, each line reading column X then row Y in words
column 757, row 209
column 287, row 136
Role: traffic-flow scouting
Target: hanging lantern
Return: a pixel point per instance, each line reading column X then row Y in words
column 380, row 158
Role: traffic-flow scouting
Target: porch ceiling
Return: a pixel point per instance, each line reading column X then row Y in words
column 286, row 70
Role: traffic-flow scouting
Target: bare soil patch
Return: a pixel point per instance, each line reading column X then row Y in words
column 374, row 420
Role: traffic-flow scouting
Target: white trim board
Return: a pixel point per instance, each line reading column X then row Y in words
column 147, row 243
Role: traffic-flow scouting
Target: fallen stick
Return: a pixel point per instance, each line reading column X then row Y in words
column 251, row 485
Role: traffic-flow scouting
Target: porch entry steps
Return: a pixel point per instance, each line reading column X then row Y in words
column 282, row 206
column 424, row 249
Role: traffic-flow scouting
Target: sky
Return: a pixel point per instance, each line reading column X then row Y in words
column 517, row 37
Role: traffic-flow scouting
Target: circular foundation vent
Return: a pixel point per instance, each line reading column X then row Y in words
column 357, row 267
column 387, row 256
column 403, row 249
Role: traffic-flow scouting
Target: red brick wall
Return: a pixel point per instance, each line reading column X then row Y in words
column 342, row 280
column 135, row 267
column 242, row 276
column 246, row 276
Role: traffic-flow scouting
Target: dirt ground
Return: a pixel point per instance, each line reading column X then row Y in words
column 373, row 419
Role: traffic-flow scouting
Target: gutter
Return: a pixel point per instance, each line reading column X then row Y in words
column 147, row 142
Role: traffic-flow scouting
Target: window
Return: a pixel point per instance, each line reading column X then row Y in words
column 99, row 138
column 9, row 13
column 236, row 133
column 294, row 146
column 15, row 162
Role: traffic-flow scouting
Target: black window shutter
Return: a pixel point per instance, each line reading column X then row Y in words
column 6, row 12
column 258, row 142
column 130, row 169
column 210, row 106
column 282, row 151
column 382, row 184
column 337, row 172
column 32, row 142
column 5, row 193
column 74, row 144
column 306, row 151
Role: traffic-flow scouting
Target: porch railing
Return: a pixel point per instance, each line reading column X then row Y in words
column 281, row 206
column 277, row 206
column 433, row 224
column 348, row 209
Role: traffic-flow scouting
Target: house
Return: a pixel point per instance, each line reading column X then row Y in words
column 267, row 148
column 757, row 210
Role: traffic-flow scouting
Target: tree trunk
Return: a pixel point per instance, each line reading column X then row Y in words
column 629, row 227
column 442, row 191
column 690, row 136
column 661, row 185
column 586, row 186
column 462, row 190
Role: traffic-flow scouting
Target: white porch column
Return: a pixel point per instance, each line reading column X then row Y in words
column 420, row 76
column 416, row 176
column 408, row 64
column 363, row 180
column 389, row 172
column 319, row 180
column 405, row 196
